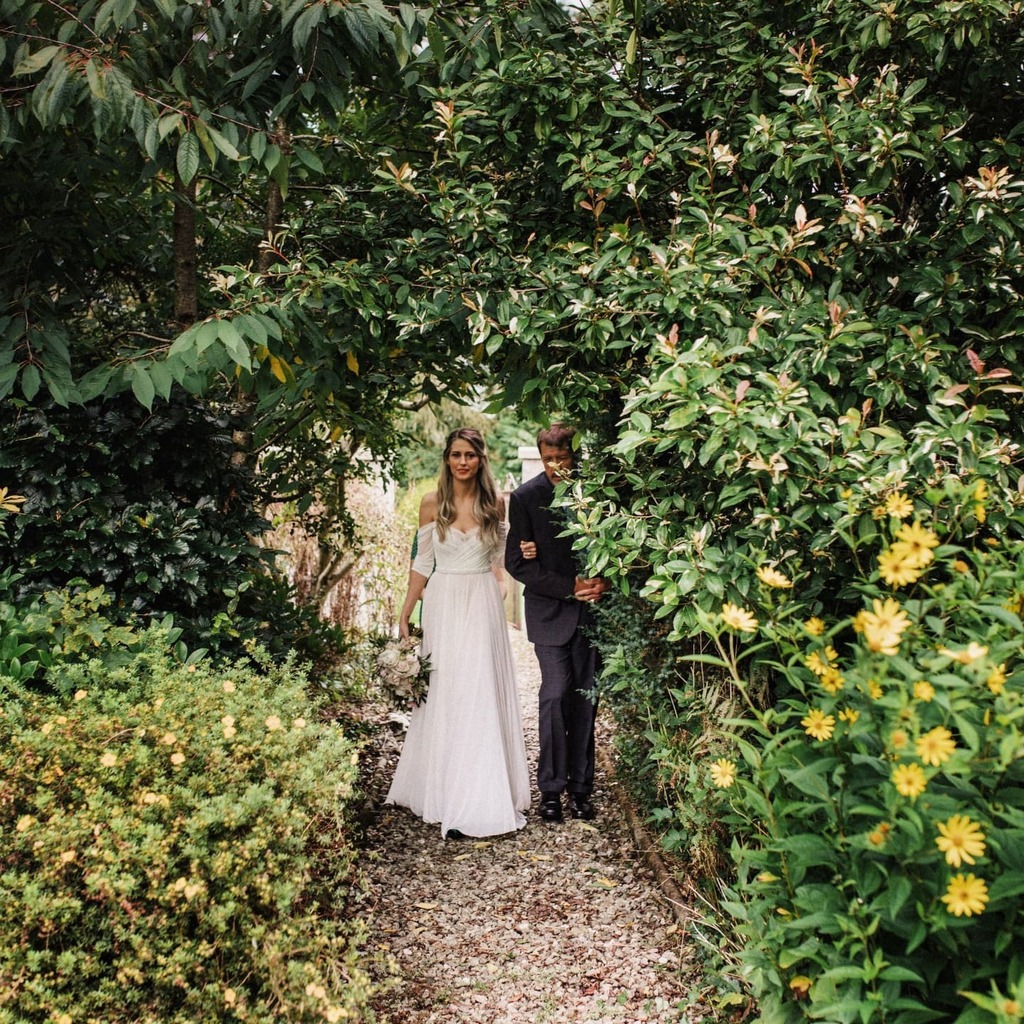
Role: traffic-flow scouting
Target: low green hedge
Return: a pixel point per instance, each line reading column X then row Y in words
column 175, row 848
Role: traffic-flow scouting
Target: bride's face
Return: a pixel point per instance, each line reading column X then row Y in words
column 463, row 461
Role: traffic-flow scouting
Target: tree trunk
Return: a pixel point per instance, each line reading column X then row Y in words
column 186, row 296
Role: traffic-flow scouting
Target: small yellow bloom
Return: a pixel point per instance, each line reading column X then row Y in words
column 109, row 759
column 81, row 694
column 63, row 1018
column 169, row 739
column 230, row 732
column 960, row 565
column 980, row 513
column 765, row 877
column 880, row 834
column 68, row 856
column 24, row 823
column 334, row 1013
column 815, row 626
column 46, row 728
column 800, row 985
column 228, row 720
column 230, row 997
column 874, row 689
column 997, row 679
column 819, row 662
column 920, row 540
column 738, row 618
column 923, row 690
column 960, row 839
column 898, row 566
column 909, row 780
column 884, row 625
column 849, row 715
column 1011, row 1008
column 898, row 739
column 972, row 652
column 227, row 686
column 966, row 895
column 177, row 757
column 723, row 773
column 818, row 725
column 298, row 723
column 273, row 723
column 899, row 506
column 771, row 577
column 980, row 490
column 936, row 746
column 832, row 680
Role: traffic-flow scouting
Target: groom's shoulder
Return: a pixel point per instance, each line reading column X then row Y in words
column 535, row 485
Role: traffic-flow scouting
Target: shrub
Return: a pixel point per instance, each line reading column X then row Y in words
column 175, row 848
column 878, row 805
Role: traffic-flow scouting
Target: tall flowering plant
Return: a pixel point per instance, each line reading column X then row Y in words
column 878, row 805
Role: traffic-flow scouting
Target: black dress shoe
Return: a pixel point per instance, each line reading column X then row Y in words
column 551, row 808
column 454, row 833
column 581, row 808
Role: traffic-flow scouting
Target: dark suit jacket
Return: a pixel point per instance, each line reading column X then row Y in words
column 552, row 613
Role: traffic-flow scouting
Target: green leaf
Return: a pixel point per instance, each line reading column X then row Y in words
column 187, row 159
column 142, row 385
column 36, row 61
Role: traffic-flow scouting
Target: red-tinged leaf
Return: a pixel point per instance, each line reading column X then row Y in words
column 996, row 374
column 741, row 389
column 976, row 363
column 956, row 389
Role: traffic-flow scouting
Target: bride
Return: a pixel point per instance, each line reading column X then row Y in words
column 464, row 761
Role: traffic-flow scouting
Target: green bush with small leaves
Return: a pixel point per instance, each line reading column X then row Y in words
column 176, row 847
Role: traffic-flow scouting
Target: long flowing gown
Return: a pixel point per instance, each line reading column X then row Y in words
column 463, row 763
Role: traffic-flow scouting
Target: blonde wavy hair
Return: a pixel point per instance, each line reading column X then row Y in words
column 485, row 504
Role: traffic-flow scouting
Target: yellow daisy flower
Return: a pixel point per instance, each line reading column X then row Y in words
column 832, row 680
column 972, row 652
column 923, row 690
column 936, row 746
column 898, row 565
column 966, row 895
column 723, row 772
column 880, row 834
column 815, row 626
column 738, row 618
column 874, row 689
column 109, row 759
column 960, row 839
column 997, row 679
column 773, row 578
column 898, row 739
column 883, row 625
column 909, row 780
column 920, row 541
column 818, row 725
column 849, row 715
column 820, row 662
column 899, row 506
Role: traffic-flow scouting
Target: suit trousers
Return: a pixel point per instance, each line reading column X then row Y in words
column 566, row 716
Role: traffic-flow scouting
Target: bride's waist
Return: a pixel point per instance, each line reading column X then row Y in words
column 462, row 572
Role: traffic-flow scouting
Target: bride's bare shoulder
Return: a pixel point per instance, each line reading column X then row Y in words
column 428, row 508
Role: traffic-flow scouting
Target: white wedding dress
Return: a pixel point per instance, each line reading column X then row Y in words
column 464, row 760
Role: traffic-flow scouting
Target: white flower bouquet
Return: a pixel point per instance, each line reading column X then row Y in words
column 402, row 673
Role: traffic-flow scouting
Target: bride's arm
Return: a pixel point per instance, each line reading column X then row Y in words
column 419, row 574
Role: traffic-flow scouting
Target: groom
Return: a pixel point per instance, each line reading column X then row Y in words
column 557, row 612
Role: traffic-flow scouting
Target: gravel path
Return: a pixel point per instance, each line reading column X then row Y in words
column 556, row 923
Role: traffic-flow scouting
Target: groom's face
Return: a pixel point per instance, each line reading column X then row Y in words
column 557, row 462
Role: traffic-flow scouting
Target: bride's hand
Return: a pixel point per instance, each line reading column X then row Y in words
column 403, row 628
column 528, row 548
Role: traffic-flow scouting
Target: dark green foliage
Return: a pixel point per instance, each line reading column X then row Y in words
column 152, row 506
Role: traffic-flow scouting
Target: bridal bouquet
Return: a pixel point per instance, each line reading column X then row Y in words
column 402, row 673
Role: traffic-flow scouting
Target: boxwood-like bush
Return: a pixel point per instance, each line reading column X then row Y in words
column 175, row 848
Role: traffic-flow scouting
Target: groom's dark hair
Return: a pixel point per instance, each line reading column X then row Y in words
column 558, row 435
